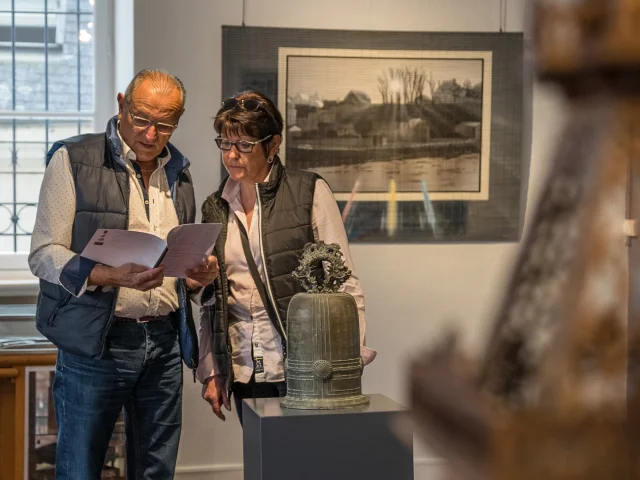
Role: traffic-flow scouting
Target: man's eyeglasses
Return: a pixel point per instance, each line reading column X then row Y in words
column 142, row 123
column 250, row 104
column 242, row 146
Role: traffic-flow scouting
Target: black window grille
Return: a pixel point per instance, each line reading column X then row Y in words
column 46, row 94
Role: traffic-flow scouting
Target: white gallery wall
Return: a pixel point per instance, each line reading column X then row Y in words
column 413, row 292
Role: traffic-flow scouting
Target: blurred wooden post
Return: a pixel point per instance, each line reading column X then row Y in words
column 556, row 396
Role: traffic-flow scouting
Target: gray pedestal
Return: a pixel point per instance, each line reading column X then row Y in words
column 346, row 444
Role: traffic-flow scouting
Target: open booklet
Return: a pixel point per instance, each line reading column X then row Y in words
column 186, row 247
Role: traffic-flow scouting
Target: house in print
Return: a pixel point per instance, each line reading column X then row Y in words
column 307, row 117
column 414, row 130
column 302, row 111
column 449, row 91
column 291, row 112
column 469, row 129
column 294, row 132
column 356, row 98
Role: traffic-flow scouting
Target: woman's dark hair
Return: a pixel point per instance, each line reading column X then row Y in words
column 257, row 117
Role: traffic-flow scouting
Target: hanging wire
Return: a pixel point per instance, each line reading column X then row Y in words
column 503, row 15
column 504, row 24
column 244, row 8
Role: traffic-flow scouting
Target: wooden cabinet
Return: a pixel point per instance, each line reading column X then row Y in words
column 28, row 431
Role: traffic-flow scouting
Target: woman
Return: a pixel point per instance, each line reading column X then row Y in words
column 268, row 214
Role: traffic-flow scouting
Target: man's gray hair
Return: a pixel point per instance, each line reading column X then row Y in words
column 160, row 79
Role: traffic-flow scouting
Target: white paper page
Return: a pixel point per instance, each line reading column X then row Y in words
column 116, row 247
column 188, row 246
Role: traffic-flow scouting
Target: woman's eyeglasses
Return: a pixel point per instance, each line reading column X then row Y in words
column 250, row 104
column 242, row 146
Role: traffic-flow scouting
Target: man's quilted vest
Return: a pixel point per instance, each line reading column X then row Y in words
column 80, row 324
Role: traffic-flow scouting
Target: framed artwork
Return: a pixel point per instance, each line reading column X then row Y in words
column 419, row 135
column 362, row 118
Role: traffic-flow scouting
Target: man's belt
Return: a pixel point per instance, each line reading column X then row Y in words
column 146, row 319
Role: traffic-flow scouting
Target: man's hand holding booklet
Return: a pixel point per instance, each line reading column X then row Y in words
column 186, row 247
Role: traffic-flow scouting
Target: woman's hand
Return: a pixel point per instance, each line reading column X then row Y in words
column 215, row 393
column 203, row 274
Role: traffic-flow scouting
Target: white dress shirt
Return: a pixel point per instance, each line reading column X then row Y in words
column 251, row 332
column 51, row 239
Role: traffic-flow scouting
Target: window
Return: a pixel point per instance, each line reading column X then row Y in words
column 46, row 94
column 29, row 27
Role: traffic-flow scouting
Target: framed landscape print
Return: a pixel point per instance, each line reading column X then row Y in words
column 418, row 134
column 366, row 117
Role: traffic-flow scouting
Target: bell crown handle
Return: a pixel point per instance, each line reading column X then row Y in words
column 311, row 272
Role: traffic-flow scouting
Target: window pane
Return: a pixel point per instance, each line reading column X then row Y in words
column 28, row 187
column 6, row 228
column 6, row 240
column 6, row 86
column 54, row 35
column 61, row 129
column 86, row 62
column 6, row 192
column 30, row 72
column 61, row 5
column 28, row 19
column 6, row 154
column 6, row 130
column 71, row 6
column 63, row 69
column 24, row 244
column 30, row 130
column 26, row 218
column 30, row 157
column 29, row 30
column 86, row 5
column 5, row 6
column 86, row 126
column 29, row 5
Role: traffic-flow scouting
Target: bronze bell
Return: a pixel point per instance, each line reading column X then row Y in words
column 323, row 366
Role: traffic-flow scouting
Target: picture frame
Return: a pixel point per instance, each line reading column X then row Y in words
column 479, row 204
column 396, row 127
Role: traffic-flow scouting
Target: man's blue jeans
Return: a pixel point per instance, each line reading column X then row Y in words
column 141, row 371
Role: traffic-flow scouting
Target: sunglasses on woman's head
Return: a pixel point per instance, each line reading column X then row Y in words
column 250, row 104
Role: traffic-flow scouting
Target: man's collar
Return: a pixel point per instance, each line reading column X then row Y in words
column 126, row 149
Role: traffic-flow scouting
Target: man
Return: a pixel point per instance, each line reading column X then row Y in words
column 120, row 332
